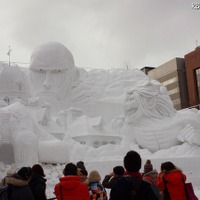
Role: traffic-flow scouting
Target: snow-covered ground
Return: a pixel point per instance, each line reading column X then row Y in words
column 189, row 165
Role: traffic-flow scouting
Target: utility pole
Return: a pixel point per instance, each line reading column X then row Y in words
column 9, row 50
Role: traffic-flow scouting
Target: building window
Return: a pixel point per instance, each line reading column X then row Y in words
column 170, row 81
column 173, row 91
column 197, row 73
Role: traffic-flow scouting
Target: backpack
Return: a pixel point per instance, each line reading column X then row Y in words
column 135, row 188
column 4, row 192
column 140, row 189
column 131, row 187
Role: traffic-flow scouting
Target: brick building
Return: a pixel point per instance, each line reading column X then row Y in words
column 192, row 66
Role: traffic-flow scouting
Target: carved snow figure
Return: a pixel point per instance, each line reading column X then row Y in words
column 52, row 70
column 146, row 120
column 26, row 140
column 19, row 135
column 55, row 79
column 147, row 100
column 152, row 122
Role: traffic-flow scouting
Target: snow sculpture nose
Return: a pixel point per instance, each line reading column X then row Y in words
column 47, row 81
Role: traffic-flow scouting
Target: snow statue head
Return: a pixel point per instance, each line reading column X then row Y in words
column 52, row 71
column 147, row 100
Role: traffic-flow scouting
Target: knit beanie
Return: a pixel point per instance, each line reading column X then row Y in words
column 148, row 166
column 94, row 176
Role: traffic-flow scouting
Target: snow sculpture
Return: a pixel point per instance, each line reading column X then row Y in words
column 89, row 131
column 29, row 141
column 52, row 71
column 55, row 79
column 147, row 100
column 152, row 122
column 13, row 85
column 6, row 149
column 70, row 106
column 19, row 135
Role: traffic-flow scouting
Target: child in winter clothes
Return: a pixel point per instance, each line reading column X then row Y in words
column 172, row 179
column 96, row 189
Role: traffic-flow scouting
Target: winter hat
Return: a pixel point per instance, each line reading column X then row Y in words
column 132, row 161
column 148, row 166
column 38, row 169
column 70, row 169
column 94, row 176
column 118, row 170
column 25, row 173
column 80, row 165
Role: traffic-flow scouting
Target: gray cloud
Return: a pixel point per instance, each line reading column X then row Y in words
column 101, row 33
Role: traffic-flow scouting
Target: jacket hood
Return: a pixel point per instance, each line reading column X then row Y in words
column 16, row 181
column 152, row 174
column 70, row 182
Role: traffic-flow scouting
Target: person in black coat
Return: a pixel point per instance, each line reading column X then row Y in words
column 110, row 179
column 18, row 185
column 131, row 186
column 38, row 182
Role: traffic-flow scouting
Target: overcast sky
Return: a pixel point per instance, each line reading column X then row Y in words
column 101, row 33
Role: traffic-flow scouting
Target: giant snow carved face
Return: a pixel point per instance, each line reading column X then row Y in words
column 51, row 70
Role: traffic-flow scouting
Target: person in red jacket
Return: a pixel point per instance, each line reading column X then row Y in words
column 171, row 182
column 70, row 186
